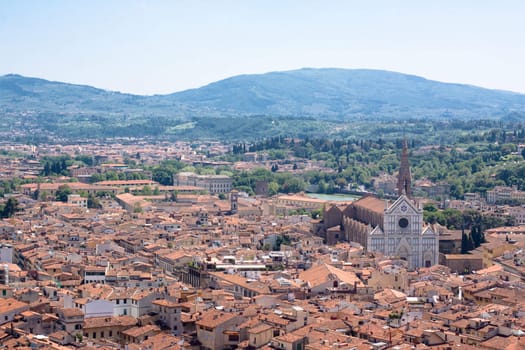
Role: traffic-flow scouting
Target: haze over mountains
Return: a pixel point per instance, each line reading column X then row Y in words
column 345, row 93
column 310, row 92
column 320, row 94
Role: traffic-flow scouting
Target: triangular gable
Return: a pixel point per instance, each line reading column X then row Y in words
column 427, row 231
column 402, row 204
column 376, row 231
column 334, row 210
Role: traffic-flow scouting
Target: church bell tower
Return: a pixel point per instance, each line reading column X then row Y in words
column 404, row 180
column 234, row 201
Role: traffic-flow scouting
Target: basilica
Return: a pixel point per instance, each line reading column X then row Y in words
column 395, row 229
column 404, row 236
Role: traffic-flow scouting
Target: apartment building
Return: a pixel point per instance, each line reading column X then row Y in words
column 211, row 183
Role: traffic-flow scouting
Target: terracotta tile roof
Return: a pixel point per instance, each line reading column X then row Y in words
column 138, row 294
column 161, row 341
column 260, row 328
column 59, row 335
column 372, row 203
column 504, row 343
column 29, row 313
column 98, row 322
column 250, row 323
column 175, row 255
column 213, row 318
column 166, row 303
column 318, row 333
column 322, row 273
column 126, row 182
column 274, row 319
column 289, row 338
column 243, row 282
column 71, row 312
column 138, row 331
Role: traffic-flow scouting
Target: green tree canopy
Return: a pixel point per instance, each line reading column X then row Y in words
column 9, row 208
column 62, row 193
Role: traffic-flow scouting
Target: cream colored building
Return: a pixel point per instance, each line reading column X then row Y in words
column 389, row 277
column 211, row 183
column 502, row 193
column 260, row 335
column 76, row 199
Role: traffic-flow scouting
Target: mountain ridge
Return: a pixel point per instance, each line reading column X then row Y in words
column 17, row 75
column 343, row 92
column 259, row 87
column 342, row 95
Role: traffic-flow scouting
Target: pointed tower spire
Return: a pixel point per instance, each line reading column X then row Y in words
column 404, row 179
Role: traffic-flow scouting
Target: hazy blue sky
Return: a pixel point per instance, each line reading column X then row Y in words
column 153, row 46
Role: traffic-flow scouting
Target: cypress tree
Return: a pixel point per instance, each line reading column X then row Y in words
column 466, row 242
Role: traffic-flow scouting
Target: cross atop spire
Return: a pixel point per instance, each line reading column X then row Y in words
column 404, row 179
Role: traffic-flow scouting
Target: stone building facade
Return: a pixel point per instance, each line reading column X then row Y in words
column 394, row 229
column 403, row 235
column 211, row 183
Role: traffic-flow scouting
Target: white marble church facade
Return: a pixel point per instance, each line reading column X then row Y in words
column 404, row 236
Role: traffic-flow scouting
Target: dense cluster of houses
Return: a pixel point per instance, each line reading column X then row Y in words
column 208, row 272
